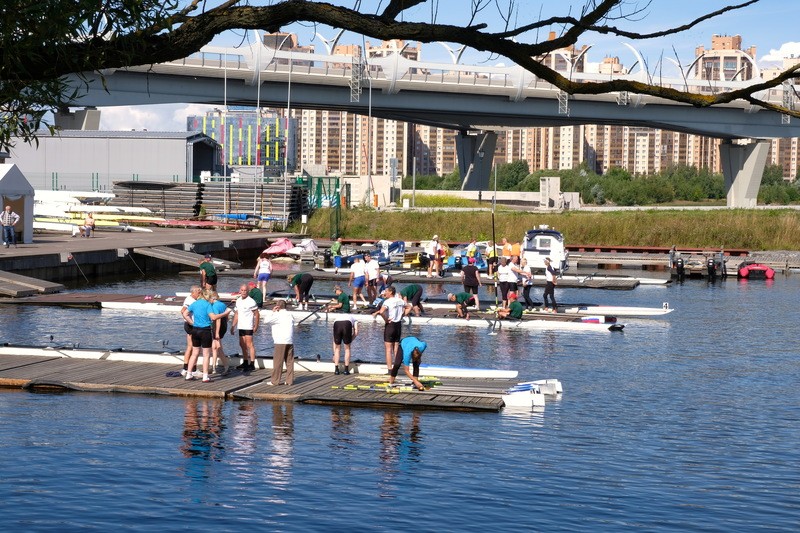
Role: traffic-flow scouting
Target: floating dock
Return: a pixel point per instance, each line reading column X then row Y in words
column 60, row 372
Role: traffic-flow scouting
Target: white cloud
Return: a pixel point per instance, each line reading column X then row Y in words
column 787, row 50
column 163, row 117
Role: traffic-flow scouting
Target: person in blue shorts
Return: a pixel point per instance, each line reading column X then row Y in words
column 409, row 355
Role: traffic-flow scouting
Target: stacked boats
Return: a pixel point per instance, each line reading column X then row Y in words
column 65, row 211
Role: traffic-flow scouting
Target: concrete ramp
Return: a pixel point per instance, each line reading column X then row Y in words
column 173, row 255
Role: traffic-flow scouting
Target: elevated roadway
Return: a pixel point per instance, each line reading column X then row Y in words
column 467, row 98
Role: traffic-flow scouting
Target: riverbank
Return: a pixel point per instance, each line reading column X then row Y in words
column 755, row 230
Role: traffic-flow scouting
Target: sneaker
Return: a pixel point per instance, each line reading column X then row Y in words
column 336, row 370
column 183, row 372
column 189, row 376
column 346, row 372
column 244, row 365
column 206, row 378
column 197, row 374
column 269, row 383
column 252, row 367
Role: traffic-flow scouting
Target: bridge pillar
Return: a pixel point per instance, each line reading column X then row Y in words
column 743, row 168
column 82, row 119
column 475, row 155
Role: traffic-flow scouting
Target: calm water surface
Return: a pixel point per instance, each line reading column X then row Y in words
column 688, row 423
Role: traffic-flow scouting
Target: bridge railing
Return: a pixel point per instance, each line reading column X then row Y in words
column 394, row 72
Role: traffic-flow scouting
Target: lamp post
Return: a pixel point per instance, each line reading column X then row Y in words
column 286, row 142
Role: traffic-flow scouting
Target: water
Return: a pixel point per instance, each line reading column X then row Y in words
column 689, row 423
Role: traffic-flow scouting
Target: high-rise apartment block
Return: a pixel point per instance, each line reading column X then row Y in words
column 343, row 143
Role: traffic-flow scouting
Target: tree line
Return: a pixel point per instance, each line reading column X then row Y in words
column 679, row 183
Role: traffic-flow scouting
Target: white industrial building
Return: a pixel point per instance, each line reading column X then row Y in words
column 94, row 160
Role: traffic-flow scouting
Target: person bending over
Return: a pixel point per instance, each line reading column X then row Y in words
column 409, row 355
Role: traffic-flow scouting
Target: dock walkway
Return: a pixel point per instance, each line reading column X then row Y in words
column 60, row 372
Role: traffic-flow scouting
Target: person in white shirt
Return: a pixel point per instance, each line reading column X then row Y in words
column 432, row 252
column 358, row 278
column 507, row 277
column 263, row 272
column 245, row 317
column 392, row 311
column 283, row 336
column 373, row 273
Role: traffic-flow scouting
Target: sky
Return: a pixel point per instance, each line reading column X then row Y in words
column 768, row 25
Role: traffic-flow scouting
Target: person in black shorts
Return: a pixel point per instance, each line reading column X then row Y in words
column 345, row 329
column 302, row 283
column 208, row 274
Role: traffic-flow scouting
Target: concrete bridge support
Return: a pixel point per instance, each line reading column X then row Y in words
column 475, row 155
column 82, row 119
column 743, row 168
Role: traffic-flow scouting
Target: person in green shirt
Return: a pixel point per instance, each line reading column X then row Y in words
column 336, row 253
column 256, row 294
column 341, row 303
column 462, row 300
column 208, row 274
column 412, row 294
column 301, row 283
column 514, row 309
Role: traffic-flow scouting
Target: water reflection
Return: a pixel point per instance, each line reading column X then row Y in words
column 279, row 459
column 401, row 448
column 202, row 436
column 342, row 430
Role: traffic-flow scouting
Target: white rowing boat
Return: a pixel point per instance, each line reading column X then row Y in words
column 301, row 365
column 560, row 322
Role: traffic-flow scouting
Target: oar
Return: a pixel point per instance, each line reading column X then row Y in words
column 312, row 313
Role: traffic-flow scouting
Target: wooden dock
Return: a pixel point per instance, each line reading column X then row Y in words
column 17, row 285
column 181, row 257
column 58, row 373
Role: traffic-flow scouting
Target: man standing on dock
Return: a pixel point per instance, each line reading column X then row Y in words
column 336, row 254
column 550, row 285
column 246, row 318
column 373, row 271
column 208, row 273
column 283, row 336
column 392, row 312
column 9, row 218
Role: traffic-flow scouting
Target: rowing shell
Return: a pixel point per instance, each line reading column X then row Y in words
column 547, row 322
column 300, row 365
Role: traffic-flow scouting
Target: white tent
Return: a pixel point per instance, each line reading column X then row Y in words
column 18, row 193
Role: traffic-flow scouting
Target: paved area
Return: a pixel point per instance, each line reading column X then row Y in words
column 50, row 243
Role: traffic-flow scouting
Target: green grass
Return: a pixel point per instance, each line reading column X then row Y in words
column 735, row 228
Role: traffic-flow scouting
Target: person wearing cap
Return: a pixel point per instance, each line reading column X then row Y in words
column 255, row 293
column 550, row 285
column 514, row 309
column 208, row 274
column 471, row 280
column 392, row 311
column 432, row 253
column 462, row 300
column 341, row 303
